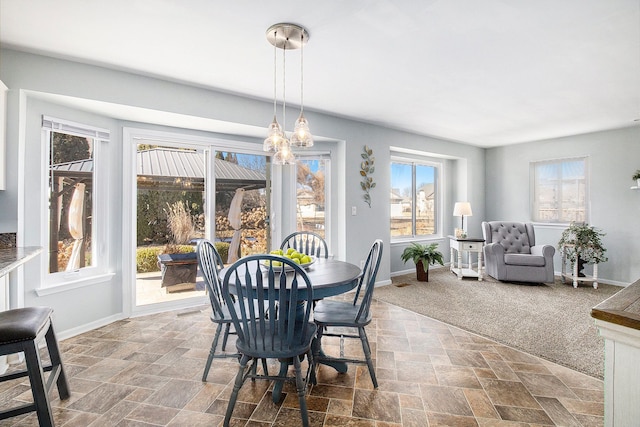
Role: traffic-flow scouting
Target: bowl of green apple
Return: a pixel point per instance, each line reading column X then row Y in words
column 299, row 258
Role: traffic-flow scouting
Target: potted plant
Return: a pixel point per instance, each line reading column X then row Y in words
column 422, row 256
column 636, row 177
column 582, row 243
column 178, row 262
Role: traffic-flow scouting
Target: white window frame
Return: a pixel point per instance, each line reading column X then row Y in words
column 438, row 185
column 131, row 138
column 319, row 155
column 99, row 254
column 534, row 202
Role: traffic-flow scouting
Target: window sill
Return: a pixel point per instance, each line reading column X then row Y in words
column 404, row 241
column 75, row 284
column 551, row 225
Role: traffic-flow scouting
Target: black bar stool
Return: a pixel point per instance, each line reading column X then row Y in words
column 23, row 329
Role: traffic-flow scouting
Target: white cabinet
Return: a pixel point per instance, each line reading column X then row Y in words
column 618, row 320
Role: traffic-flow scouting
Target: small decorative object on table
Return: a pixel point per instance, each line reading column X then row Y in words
column 422, row 256
column 581, row 244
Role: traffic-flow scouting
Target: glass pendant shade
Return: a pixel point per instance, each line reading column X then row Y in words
column 284, row 155
column 301, row 135
column 274, row 136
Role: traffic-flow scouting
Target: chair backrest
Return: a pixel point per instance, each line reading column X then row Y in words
column 368, row 279
column 274, row 290
column 210, row 264
column 306, row 242
column 514, row 237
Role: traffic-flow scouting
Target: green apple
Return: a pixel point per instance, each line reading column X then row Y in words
column 305, row 259
column 290, row 251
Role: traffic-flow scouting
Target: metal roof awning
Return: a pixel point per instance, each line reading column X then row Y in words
column 172, row 169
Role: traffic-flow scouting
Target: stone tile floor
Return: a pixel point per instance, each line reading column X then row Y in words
column 146, row 371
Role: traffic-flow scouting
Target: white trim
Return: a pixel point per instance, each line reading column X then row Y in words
column 533, row 187
column 75, row 284
column 324, row 156
column 87, row 327
column 74, row 128
column 439, row 166
column 100, row 189
column 207, row 146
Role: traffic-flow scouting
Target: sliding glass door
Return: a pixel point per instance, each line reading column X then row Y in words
column 188, row 189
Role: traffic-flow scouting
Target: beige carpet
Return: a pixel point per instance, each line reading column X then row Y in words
column 550, row 321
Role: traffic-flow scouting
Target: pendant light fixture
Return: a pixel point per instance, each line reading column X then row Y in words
column 301, row 134
column 286, row 36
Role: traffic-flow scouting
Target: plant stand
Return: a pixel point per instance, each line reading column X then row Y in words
column 574, row 274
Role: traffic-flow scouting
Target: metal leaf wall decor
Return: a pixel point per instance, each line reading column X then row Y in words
column 366, row 169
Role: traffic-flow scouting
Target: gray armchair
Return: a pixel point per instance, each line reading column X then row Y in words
column 511, row 253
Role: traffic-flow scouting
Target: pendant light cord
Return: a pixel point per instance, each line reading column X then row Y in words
column 284, row 88
column 275, row 74
column 301, row 72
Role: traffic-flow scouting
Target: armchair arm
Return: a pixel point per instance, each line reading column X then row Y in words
column 546, row 251
column 494, row 260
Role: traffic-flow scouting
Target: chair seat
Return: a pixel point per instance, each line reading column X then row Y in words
column 524, row 259
column 23, row 324
column 270, row 341
column 338, row 313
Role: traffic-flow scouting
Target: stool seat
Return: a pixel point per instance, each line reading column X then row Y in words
column 23, row 324
column 21, row 330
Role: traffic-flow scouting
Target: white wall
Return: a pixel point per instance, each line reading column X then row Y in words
column 613, row 158
column 41, row 85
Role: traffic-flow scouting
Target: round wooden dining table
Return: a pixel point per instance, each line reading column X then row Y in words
column 328, row 277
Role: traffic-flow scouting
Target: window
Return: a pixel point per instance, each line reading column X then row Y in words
column 312, row 173
column 414, row 198
column 559, row 193
column 73, row 211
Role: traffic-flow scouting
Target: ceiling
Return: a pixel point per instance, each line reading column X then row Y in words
column 487, row 73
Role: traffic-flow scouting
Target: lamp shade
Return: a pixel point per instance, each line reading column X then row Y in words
column 462, row 209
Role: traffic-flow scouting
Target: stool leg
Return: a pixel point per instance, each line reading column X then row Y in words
column 56, row 363
column 38, row 388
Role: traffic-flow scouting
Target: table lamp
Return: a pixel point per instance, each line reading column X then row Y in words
column 462, row 209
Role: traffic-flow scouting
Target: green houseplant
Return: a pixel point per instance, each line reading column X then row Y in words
column 582, row 243
column 422, row 256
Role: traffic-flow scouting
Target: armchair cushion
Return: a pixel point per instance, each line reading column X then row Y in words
column 523, row 259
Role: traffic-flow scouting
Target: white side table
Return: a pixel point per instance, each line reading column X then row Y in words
column 469, row 245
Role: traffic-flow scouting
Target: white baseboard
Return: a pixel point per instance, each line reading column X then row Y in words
column 69, row 333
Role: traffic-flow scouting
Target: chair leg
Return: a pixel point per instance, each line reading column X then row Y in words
column 311, row 373
column 212, row 352
column 264, row 367
column 226, row 335
column 367, row 354
column 38, row 388
column 300, row 388
column 236, row 388
column 56, row 363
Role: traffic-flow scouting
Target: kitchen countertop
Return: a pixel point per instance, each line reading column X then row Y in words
column 12, row 258
column 623, row 308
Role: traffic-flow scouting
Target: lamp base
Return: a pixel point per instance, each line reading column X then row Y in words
column 460, row 233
